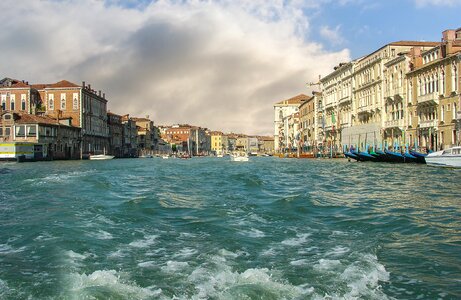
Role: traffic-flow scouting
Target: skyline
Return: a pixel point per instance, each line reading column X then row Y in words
column 216, row 64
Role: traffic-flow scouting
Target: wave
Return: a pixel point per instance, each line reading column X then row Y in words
column 106, row 284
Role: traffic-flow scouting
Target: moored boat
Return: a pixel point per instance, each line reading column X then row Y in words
column 420, row 157
column 393, row 156
column 101, row 157
column 450, row 157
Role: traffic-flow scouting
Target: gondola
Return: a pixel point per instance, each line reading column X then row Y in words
column 420, row 157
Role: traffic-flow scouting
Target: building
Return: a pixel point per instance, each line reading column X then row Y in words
column 266, row 145
column 114, row 122
column 434, row 94
column 200, row 141
column 37, row 137
column 145, row 135
column 337, row 103
column 18, row 96
column 282, row 111
column 308, row 139
column 85, row 108
column 129, row 137
column 219, row 144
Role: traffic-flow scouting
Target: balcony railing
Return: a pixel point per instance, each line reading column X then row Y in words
column 431, row 98
column 329, row 105
column 428, row 123
column 344, row 99
column 394, row 123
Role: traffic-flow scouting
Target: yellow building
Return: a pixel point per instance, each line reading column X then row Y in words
column 435, row 94
column 218, row 143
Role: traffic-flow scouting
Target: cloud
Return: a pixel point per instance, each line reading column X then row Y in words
column 333, row 35
column 425, row 3
column 217, row 64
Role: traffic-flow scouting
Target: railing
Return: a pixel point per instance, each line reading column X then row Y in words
column 345, row 99
column 428, row 123
column 328, row 105
column 394, row 123
column 431, row 97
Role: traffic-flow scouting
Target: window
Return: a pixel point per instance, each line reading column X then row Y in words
column 23, row 104
column 75, row 101
column 63, row 101
column 12, row 100
column 31, row 130
column 51, row 102
column 442, row 113
column 21, row 131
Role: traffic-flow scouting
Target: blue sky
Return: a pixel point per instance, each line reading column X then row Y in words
column 219, row 64
column 364, row 26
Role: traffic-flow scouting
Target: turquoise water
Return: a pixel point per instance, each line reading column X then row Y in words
column 208, row 228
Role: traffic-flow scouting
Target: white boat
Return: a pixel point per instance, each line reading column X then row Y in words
column 165, row 156
column 450, row 157
column 101, row 157
column 239, row 157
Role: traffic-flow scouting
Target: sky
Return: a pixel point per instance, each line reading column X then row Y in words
column 217, row 64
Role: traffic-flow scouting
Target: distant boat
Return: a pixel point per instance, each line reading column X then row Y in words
column 103, row 156
column 146, row 156
column 239, row 157
column 165, row 156
column 450, row 157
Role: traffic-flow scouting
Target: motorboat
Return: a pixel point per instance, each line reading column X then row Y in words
column 239, row 157
column 101, row 157
column 450, row 157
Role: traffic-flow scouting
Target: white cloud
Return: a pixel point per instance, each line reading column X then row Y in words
column 424, row 3
column 333, row 35
column 219, row 64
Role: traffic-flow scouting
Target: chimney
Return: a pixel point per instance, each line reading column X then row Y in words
column 99, row 93
column 89, row 87
column 448, row 36
column 104, row 95
column 83, row 84
column 416, row 58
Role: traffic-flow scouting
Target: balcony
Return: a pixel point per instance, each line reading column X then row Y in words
column 394, row 124
column 345, row 100
column 428, row 123
column 329, row 105
column 429, row 99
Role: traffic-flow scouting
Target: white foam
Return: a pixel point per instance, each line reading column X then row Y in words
column 299, row 262
column 327, row 264
column 117, row 254
column 229, row 254
column 44, row 237
column 7, row 249
column 297, row 241
column 363, row 277
column 223, row 283
column 76, row 256
column 337, row 251
column 174, row 266
column 269, row 252
column 254, row 233
column 186, row 252
column 82, row 286
column 147, row 264
column 101, row 235
column 144, row 243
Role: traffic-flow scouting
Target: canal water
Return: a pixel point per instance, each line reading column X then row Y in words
column 209, row 228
